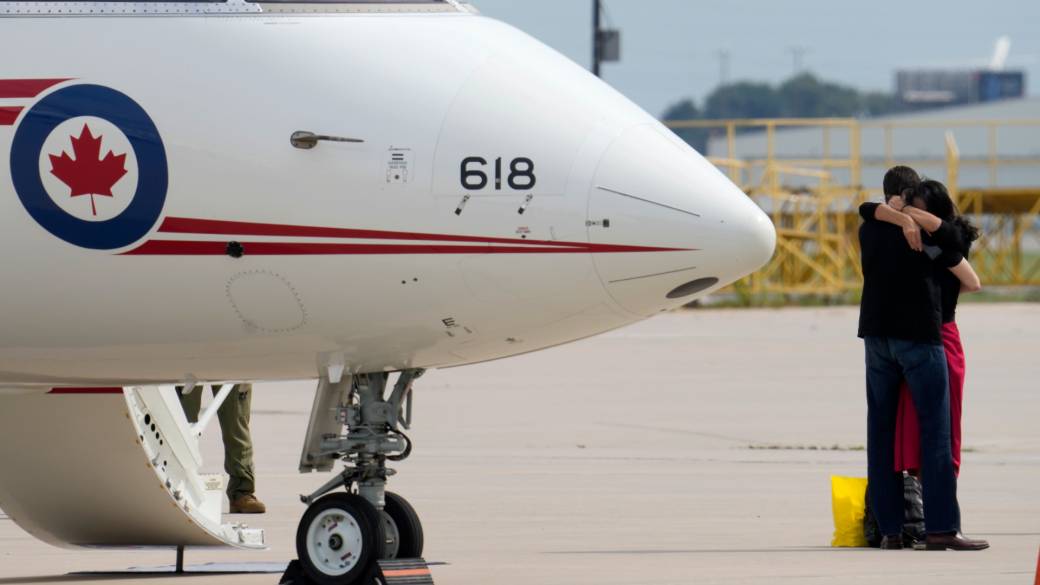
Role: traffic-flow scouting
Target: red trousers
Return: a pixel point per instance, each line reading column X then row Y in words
column 908, row 435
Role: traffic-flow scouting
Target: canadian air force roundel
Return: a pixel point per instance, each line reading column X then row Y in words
column 89, row 166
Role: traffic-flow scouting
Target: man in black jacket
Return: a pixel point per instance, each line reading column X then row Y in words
column 900, row 322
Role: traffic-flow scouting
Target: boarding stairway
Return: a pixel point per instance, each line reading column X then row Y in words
column 112, row 468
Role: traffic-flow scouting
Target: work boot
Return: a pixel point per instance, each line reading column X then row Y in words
column 247, row 504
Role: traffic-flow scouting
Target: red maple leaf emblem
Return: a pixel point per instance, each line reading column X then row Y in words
column 89, row 174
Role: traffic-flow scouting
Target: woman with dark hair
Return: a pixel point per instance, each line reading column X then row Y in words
column 930, row 207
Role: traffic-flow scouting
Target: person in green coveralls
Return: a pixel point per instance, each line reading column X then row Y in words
column 238, row 443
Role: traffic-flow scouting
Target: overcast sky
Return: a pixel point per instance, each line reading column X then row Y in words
column 670, row 48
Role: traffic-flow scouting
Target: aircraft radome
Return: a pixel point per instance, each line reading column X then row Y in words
column 235, row 191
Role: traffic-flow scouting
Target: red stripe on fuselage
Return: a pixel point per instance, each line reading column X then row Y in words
column 180, row 225
column 25, row 88
column 194, row 248
column 9, row 115
column 86, row 391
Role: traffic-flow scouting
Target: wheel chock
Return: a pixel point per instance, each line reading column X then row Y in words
column 294, row 575
column 391, row 572
column 405, row 572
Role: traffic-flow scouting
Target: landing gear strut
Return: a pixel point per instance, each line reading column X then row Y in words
column 353, row 537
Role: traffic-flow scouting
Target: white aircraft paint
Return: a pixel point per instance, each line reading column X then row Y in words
column 225, row 95
column 475, row 196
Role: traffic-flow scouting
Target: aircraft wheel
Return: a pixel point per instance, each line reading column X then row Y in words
column 409, row 528
column 393, row 537
column 339, row 540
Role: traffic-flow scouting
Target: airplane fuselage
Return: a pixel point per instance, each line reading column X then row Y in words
column 493, row 199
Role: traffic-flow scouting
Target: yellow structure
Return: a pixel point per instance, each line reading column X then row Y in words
column 814, row 201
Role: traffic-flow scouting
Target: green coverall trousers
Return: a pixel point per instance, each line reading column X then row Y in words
column 234, row 426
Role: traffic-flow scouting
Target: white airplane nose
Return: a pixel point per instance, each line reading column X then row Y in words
column 699, row 231
column 757, row 237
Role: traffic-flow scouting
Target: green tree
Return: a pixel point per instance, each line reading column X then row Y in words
column 805, row 96
column 744, row 99
column 876, row 103
column 802, row 96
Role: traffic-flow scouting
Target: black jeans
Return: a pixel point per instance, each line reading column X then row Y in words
column 923, row 366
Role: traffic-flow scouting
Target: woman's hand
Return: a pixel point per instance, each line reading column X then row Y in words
column 912, row 233
column 888, row 213
column 927, row 221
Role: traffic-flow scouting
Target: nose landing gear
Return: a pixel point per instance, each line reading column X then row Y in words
column 366, row 535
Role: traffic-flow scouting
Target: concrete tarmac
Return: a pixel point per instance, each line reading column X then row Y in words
column 696, row 447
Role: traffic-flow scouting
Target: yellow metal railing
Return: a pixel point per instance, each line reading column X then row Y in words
column 814, row 200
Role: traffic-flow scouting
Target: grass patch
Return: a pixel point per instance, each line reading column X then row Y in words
column 778, row 447
column 840, row 448
column 733, row 300
column 1004, row 294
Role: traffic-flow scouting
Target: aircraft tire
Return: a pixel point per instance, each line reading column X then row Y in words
column 409, row 527
column 339, row 540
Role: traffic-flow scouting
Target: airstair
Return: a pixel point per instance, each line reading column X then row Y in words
column 112, row 468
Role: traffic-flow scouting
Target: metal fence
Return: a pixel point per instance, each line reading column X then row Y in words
column 812, row 191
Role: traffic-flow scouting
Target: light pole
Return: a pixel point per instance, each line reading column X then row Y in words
column 798, row 58
column 606, row 43
column 597, row 18
column 724, row 60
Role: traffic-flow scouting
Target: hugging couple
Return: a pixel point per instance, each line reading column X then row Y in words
column 914, row 252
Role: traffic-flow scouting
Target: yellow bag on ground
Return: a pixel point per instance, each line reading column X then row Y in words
column 849, row 502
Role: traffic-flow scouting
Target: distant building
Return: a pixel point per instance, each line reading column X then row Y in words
column 923, row 89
